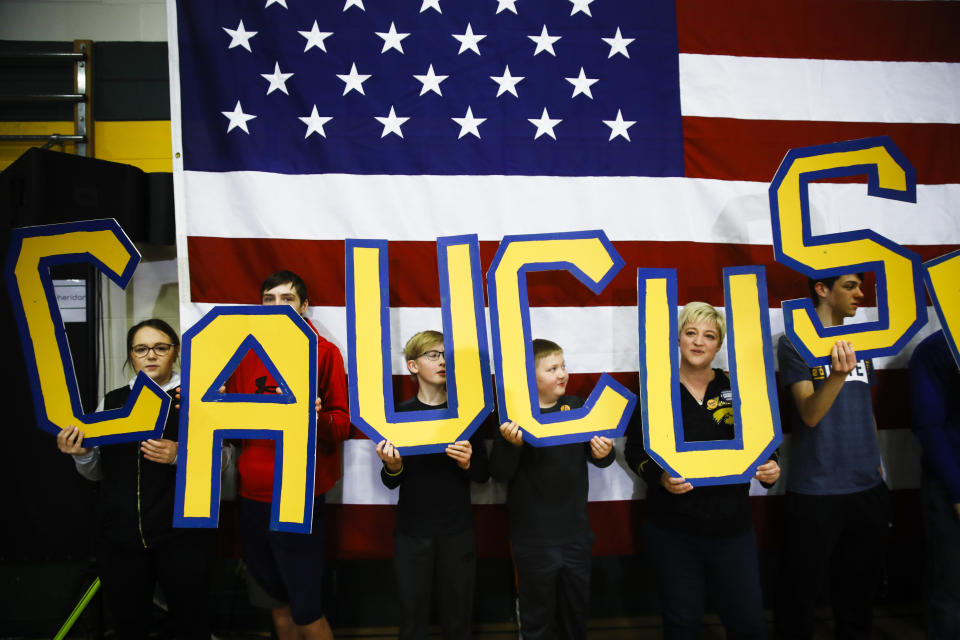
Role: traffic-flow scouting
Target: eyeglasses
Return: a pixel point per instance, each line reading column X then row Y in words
column 161, row 349
column 433, row 355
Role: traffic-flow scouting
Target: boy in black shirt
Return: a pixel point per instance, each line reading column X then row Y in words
column 547, row 504
column 434, row 543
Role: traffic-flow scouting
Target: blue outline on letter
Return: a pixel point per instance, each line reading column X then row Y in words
column 449, row 341
column 736, row 443
column 810, row 240
column 951, row 339
column 606, row 380
column 225, row 433
column 142, row 384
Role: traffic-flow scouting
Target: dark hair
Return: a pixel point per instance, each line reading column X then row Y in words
column 543, row 348
column 828, row 283
column 153, row 323
column 285, row 277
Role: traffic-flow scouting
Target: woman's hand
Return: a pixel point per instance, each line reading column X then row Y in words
column 160, row 450
column 69, row 440
column 390, row 456
column 600, row 447
column 461, row 451
column 675, row 486
column 768, row 472
column 511, row 433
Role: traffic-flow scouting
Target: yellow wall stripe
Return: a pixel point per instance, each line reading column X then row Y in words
column 143, row 144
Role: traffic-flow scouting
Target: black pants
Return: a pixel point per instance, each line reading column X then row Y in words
column 444, row 565
column 942, row 575
column 689, row 567
column 843, row 537
column 554, row 586
column 182, row 566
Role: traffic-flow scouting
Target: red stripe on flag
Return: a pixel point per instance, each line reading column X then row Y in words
column 831, row 29
column 366, row 531
column 715, row 147
column 413, row 268
column 230, row 270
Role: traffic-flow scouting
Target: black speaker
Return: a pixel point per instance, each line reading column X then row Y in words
column 48, row 507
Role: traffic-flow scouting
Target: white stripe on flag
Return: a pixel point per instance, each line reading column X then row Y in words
column 333, row 207
column 821, row 90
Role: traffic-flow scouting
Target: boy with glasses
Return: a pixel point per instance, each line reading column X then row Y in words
column 434, row 543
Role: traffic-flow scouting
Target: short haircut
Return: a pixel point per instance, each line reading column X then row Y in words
column 417, row 345
column 695, row 312
column 153, row 323
column 285, row 277
column 827, row 282
column 543, row 348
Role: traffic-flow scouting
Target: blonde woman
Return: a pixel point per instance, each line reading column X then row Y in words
column 700, row 541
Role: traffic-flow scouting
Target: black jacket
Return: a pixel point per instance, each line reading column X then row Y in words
column 548, row 486
column 709, row 511
column 434, row 491
column 136, row 495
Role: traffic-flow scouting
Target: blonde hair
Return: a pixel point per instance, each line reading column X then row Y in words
column 419, row 342
column 695, row 312
column 543, row 348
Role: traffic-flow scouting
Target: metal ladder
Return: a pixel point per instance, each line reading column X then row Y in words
column 82, row 97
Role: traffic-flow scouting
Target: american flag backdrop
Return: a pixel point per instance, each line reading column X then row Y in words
column 298, row 123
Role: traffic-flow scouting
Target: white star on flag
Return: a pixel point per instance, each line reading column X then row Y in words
column 581, row 6
column 469, row 124
column 354, row 80
column 238, row 119
column 544, row 42
column 507, row 5
column 240, row 37
column 277, row 79
column 618, row 44
column 315, row 123
column 619, row 126
column 430, row 4
column 282, row 3
column 544, row 124
column 392, row 39
column 391, row 123
column 469, row 40
column 354, row 3
column 507, row 82
column 430, row 82
column 315, row 37
column 582, row 84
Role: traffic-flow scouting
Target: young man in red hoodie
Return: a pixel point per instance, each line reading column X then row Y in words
column 289, row 566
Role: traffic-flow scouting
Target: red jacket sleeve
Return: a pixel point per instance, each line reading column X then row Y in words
column 333, row 423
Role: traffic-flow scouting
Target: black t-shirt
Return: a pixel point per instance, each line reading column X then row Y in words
column 434, row 491
column 547, row 495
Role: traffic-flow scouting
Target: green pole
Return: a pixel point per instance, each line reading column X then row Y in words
column 78, row 610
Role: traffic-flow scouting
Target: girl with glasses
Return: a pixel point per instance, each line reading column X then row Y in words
column 138, row 546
